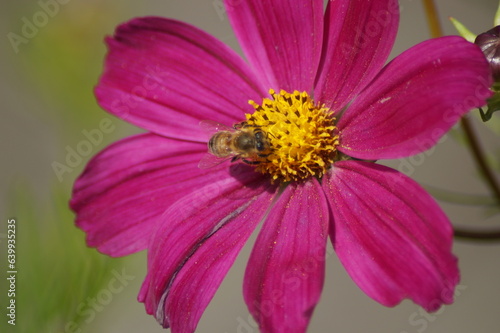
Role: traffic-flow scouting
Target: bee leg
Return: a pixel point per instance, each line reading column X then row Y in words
column 267, row 134
column 250, row 162
column 240, row 125
column 244, row 124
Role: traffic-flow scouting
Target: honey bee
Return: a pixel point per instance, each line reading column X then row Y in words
column 241, row 142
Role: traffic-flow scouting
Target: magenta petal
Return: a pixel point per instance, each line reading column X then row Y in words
column 285, row 273
column 126, row 187
column 166, row 76
column 417, row 98
column 196, row 243
column 281, row 39
column 358, row 39
column 390, row 235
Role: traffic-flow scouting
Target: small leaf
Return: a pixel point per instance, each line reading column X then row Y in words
column 496, row 20
column 463, row 31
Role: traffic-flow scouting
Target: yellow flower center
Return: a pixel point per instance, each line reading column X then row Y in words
column 302, row 136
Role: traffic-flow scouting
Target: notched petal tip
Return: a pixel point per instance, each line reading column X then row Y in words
column 285, row 272
column 391, row 236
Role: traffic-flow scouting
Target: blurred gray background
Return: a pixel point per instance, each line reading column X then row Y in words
column 47, row 100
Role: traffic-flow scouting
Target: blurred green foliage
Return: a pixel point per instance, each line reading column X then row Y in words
column 57, row 272
column 64, row 61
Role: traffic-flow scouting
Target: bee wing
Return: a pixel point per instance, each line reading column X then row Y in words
column 210, row 127
column 209, row 161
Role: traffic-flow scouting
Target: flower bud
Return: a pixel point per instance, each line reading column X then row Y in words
column 489, row 42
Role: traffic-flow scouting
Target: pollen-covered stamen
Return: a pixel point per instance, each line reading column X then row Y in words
column 302, row 136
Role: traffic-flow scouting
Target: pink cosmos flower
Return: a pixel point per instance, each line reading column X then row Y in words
column 328, row 108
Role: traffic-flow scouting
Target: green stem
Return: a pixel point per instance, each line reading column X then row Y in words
column 489, row 236
column 480, row 158
column 433, row 18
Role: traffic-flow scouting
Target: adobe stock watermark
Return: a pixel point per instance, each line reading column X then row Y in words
column 32, row 24
column 121, row 107
column 372, row 29
column 85, row 147
column 292, row 281
column 421, row 319
column 87, row 310
column 147, row 90
column 428, row 145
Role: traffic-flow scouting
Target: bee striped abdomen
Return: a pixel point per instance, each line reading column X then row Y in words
column 220, row 144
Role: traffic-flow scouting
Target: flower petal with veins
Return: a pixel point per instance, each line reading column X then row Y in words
column 390, row 235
